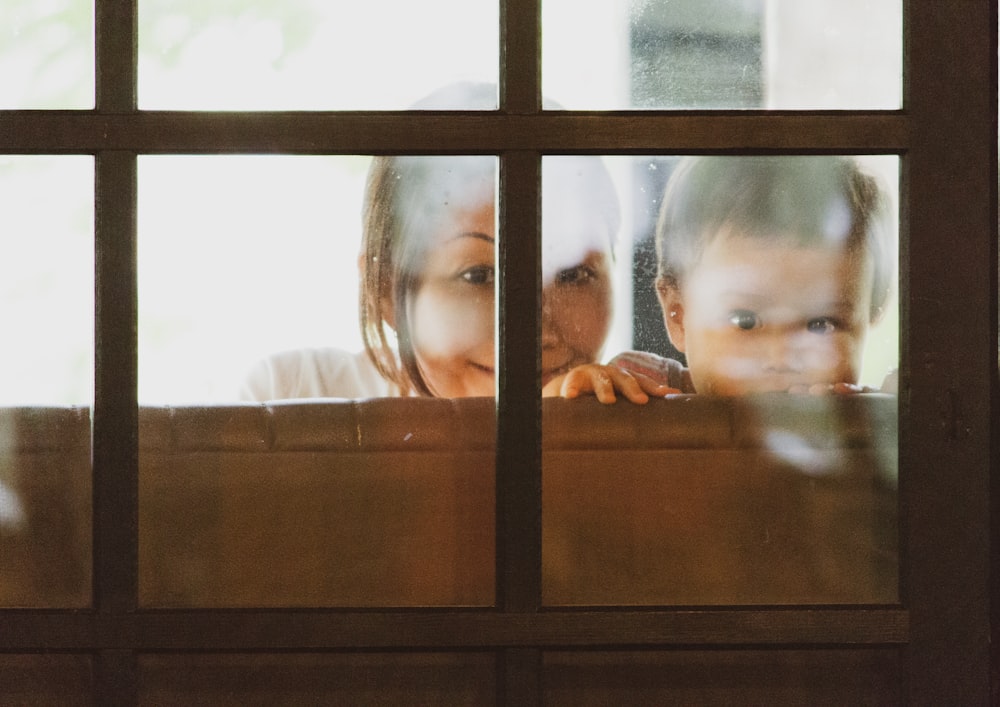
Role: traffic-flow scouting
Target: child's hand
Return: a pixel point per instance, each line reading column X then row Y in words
column 603, row 381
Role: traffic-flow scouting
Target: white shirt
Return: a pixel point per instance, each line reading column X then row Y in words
column 316, row 373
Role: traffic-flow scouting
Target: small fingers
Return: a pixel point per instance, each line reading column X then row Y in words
column 580, row 380
column 604, row 382
column 604, row 386
column 653, row 387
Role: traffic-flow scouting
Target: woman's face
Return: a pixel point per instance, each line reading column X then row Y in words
column 452, row 310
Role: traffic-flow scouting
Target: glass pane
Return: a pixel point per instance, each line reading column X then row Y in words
column 255, row 345
column 40, row 680
column 241, row 257
column 46, row 216
column 760, row 297
column 47, row 54
column 764, row 677
column 355, row 679
column 311, row 54
column 724, row 54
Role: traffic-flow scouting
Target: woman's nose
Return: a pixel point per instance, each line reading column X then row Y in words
column 550, row 332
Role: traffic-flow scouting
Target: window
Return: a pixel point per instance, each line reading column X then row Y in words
column 520, row 651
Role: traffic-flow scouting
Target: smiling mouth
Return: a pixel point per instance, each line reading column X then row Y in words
column 554, row 373
column 546, row 375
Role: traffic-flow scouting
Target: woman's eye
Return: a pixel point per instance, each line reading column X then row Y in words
column 479, row 275
column 744, row 319
column 575, row 276
column 821, row 325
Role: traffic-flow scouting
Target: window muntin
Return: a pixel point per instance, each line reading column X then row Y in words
column 724, row 54
column 310, row 54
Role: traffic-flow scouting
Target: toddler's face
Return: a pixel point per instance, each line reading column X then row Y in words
column 757, row 316
column 452, row 312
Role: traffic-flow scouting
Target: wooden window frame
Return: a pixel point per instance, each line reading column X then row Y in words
column 946, row 135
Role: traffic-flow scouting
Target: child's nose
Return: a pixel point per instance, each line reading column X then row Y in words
column 782, row 353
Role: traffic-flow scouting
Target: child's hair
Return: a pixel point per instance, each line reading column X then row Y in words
column 809, row 201
column 409, row 198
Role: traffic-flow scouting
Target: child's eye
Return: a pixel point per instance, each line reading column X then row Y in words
column 575, row 276
column 822, row 325
column 744, row 319
column 478, row 275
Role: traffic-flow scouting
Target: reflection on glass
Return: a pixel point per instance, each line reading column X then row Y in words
column 46, row 287
column 310, row 54
column 46, row 54
column 772, row 285
column 778, row 54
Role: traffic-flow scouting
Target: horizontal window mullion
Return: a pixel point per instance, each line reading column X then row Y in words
column 484, row 133
column 206, row 630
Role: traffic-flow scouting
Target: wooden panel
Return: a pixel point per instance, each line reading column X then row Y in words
column 42, row 680
column 314, row 679
column 725, row 677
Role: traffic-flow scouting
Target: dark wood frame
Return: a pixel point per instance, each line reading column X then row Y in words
column 947, row 137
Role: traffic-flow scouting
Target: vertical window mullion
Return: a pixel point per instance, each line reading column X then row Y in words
column 949, row 309
column 116, row 55
column 115, row 409
column 518, row 455
column 519, row 413
column 520, row 56
column 115, row 418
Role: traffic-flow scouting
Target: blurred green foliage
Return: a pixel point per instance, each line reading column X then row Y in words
column 47, row 47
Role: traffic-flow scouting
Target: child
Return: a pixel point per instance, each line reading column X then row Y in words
column 427, row 277
column 771, row 270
